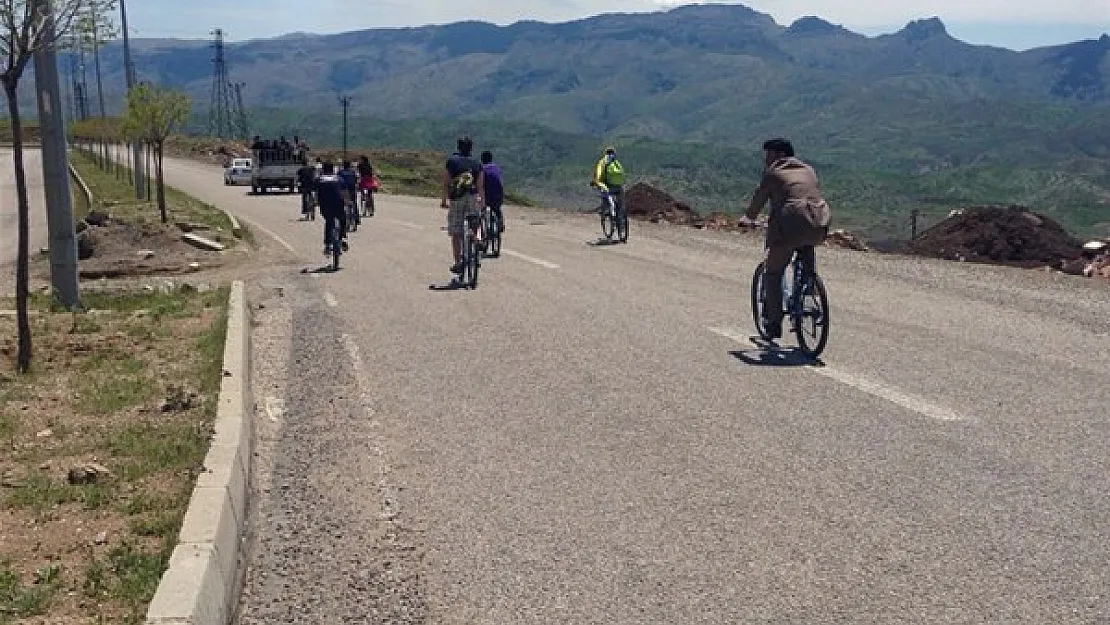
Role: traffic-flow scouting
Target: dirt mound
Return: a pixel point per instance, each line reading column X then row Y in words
column 1008, row 235
column 647, row 202
column 121, row 249
column 846, row 240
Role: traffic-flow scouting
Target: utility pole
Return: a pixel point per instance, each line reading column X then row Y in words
column 55, row 172
column 129, row 73
column 913, row 223
column 346, row 102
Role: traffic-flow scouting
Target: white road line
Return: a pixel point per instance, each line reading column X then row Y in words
column 275, row 236
column 330, row 299
column 407, row 224
column 909, row 401
column 275, row 408
column 537, row 261
column 388, row 490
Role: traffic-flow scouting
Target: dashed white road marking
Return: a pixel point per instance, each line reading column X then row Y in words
column 407, row 224
column 538, row 261
column 909, row 401
column 275, row 408
column 330, row 299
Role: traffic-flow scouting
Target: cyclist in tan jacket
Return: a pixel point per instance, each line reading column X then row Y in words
column 799, row 219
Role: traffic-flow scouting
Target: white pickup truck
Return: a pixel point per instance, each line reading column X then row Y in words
column 276, row 168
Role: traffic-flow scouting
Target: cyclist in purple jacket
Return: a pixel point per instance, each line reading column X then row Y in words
column 495, row 188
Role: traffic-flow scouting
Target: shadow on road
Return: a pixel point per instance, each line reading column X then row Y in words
column 771, row 354
column 322, row 269
column 602, row 242
column 453, row 285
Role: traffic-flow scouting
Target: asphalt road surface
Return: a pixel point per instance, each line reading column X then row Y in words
column 590, row 436
column 39, row 236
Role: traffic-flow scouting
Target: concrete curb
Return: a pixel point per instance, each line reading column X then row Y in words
column 236, row 227
column 201, row 585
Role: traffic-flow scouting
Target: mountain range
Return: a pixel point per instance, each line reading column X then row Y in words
column 911, row 118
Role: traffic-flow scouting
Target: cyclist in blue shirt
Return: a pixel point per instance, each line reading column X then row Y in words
column 329, row 191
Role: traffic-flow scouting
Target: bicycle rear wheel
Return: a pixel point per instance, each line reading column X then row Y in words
column 757, row 302
column 812, row 328
column 494, row 237
column 607, row 226
column 622, row 226
column 472, row 263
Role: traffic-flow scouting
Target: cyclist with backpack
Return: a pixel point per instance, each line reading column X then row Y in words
column 609, row 178
column 799, row 220
column 463, row 190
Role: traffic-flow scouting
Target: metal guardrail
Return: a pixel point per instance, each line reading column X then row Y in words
column 84, row 188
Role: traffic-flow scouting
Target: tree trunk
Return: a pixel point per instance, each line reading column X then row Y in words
column 22, row 278
column 149, row 191
column 99, row 76
column 161, row 181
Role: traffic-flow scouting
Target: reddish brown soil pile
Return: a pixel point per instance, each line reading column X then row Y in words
column 1010, row 235
column 647, row 202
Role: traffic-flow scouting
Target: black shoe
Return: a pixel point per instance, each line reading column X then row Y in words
column 345, row 246
column 457, row 268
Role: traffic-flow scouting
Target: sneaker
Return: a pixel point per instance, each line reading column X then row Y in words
column 457, row 268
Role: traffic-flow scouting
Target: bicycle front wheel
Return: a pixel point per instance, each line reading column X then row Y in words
column 607, row 226
column 622, row 226
column 812, row 328
column 757, row 302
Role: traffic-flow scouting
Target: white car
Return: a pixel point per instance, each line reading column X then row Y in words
column 239, row 172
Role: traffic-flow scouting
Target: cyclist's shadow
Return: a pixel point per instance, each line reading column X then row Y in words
column 771, row 354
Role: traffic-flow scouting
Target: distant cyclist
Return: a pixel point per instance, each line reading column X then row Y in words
column 799, row 218
column 609, row 178
column 349, row 178
column 366, row 186
column 494, row 188
column 333, row 206
column 306, row 181
column 463, row 189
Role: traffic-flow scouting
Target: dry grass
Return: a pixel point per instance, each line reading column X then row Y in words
column 96, row 393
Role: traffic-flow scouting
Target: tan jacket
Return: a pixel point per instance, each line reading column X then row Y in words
column 796, row 201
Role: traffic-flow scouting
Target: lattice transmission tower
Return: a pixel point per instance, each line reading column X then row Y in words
column 221, row 117
column 240, row 112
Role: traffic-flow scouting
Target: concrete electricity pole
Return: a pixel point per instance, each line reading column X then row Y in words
column 55, row 173
column 129, row 73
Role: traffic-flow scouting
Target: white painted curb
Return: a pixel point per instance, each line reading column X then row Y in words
column 201, row 585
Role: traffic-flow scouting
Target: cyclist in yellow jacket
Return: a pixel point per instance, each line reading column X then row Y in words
column 609, row 178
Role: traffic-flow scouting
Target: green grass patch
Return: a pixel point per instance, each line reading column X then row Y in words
column 19, row 600
column 146, row 449
column 41, row 494
column 113, row 383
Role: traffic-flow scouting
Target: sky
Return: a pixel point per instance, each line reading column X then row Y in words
column 1015, row 24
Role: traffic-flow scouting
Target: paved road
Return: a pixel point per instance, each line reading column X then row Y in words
column 591, row 438
column 32, row 160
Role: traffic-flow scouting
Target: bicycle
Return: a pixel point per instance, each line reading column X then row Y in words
column 804, row 299
column 335, row 243
column 353, row 219
column 614, row 220
column 491, row 232
column 471, row 252
column 367, row 200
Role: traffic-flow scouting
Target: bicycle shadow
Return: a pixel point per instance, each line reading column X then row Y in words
column 603, row 242
column 770, row 354
column 453, row 285
column 322, row 269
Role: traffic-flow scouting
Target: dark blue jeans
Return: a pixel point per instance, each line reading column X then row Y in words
column 341, row 219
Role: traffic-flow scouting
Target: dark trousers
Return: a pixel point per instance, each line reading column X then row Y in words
column 329, row 220
column 306, row 202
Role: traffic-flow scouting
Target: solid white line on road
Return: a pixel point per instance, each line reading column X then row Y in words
column 275, row 236
column 537, row 261
column 275, row 408
column 909, row 401
column 407, row 224
column 330, row 299
column 388, row 490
